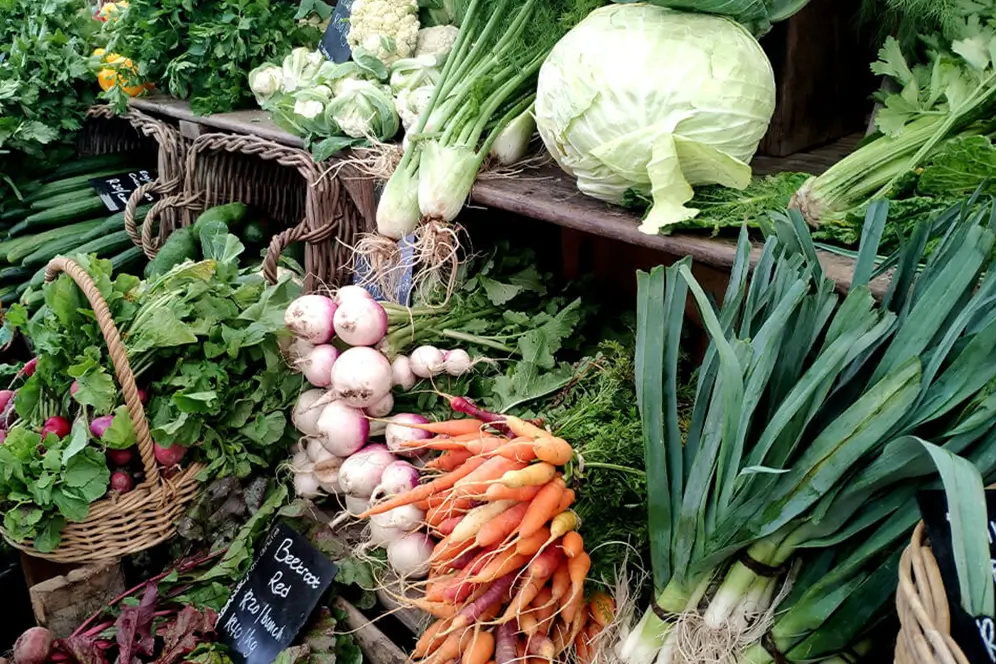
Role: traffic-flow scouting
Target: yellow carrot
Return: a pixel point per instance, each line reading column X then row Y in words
column 477, row 517
column 534, row 475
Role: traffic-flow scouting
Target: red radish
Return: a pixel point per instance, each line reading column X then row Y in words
column 353, row 292
column 401, row 373
column 3, row 436
column 342, row 430
column 143, row 396
column 100, row 425
column 119, row 457
column 317, row 365
column 74, row 388
column 168, row 456
column 121, row 481
column 427, row 361
column 397, row 433
column 382, row 408
column 361, row 377
column 57, row 425
column 310, row 317
column 33, row 647
column 360, row 322
column 5, row 398
column 29, row 367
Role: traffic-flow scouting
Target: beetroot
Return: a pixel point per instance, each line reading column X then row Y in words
column 121, row 481
column 169, row 456
column 33, row 647
column 57, row 425
column 119, row 457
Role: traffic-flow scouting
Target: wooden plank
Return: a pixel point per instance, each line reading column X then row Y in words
column 376, row 647
column 250, row 121
column 62, row 603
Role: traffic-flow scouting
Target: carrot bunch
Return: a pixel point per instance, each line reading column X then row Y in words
column 507, row 576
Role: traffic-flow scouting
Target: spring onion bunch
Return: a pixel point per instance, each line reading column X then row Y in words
column 803, row 444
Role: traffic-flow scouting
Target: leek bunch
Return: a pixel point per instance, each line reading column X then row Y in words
column 805, row 446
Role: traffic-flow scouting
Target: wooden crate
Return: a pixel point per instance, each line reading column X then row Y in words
column 822, row 71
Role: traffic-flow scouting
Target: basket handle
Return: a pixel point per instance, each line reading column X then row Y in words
column 280, row 241
column 119, row 358
column 144, row 240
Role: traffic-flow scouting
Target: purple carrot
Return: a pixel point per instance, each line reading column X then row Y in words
column 505, row 644
column 473, row 611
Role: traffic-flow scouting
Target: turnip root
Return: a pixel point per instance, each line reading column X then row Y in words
column 382, row 408
column 352, row 292
column 327, row 474
column 401, row 373
column 397, row 433
column 356, row 505
column 306, row 485
column 383, row 536
column 360, row 322
column 360, row 474
column 427, row 361
column 405, row 518
column 33, row 647
column 457, row 362
column 317, row 365
column 310, row 317
column 409, row 556
column 361, row 377
column 306, row 412
column 316, row 451
column 398, row 477
column 301, row 462
column 342, row 430
column 294, row 349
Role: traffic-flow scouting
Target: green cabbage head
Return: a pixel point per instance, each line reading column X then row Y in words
column 643, row 98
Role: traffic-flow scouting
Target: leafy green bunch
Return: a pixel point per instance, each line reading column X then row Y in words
column 45, row 86
column 202, row 51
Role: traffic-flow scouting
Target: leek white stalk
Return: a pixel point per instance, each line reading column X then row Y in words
column 512, row 143
column 447, row 174
column 398, row 212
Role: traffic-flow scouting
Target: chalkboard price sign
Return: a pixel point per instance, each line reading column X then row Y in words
column 273, row 601
column 115, row 190
column 333, row 44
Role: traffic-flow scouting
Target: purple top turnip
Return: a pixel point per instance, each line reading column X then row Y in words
column 310, row 318
column 361, row 377
column 360, row 321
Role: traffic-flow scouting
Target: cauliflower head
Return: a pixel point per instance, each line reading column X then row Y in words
column 386, row 29
column 411, row 103
column 436, row 41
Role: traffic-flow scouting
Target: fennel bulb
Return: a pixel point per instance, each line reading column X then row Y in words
column 667, row 101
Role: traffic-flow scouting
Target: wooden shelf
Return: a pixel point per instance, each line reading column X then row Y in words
column 547, row 194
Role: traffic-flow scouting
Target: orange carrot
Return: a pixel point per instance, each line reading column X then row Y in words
column 540, row 570
column 519, row 450
column 543, row 607
column 480, row 649
column 566, row 500
column 556, row 451
column 477, row 517
column 533, row 475
column 450, row 507
column 524, row 428
column 502, row 492
column 486, row 445
column 561, row 581
column 451, row 428
column 563, row 523
column 578, row 566
column 542, row 508
column 500, row 527
column 423, row 491
column 572, row 544
column 503, row 563
column 602, row 609
column 447, row 550
column 448, row 460
column 435, row 587
column 450, row 648
column 447, row 526
column 477, row 482
column 584, row 646
column 427, row 643
column 534, row 543
column 559, row 634
column 528, row 624
column 437, row 444
column 437, row 609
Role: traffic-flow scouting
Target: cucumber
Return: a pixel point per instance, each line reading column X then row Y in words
column 67, row 184
column 70, row 244
column 37, row 279
column 84, row 165
column 33, row 298
column 8, row 296
column 14, row 274
column 181, row 245
column 115, row 223
column 74, row 196
column 14, row 214
column 18, row 251
column 229, row 214
column 254, row 234
column 22, row 288
column 62, row 214
column 123, row 261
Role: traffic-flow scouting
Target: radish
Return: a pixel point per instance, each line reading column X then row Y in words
column 401, row 373
column 100, row 425
column 360, row 321
column 361, row 376
column 327, row 474
column 143, row 396
column 352, row 292
column 74, row 388
column 397, row 433
column 121, row 481
column 317, row 365
column 360, row 474
column 6, row 396
column 457, row 362
column 3, row 436
column 57, row 425
column 342, row 430
column 33, row 647
column 168, row 456
column 398, row 477
column 409, row 556
column 405, row 518
column 382, row 408
column 427, row 361
column 29, row 367
column 119, row 457
column 310, row 317
column 305, row 415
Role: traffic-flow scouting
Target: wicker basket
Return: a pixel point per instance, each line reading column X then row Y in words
column 924, row 615
column 146, row 515
column 106, row 133
column 284, row 182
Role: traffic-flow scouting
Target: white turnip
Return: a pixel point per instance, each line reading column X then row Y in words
column 327, row 474
column 317, row 365
column 382, row 408
column 405, row 518
column 33, row 646
column 352, row 292
column 401, row 373
column 306, row 485
column 310, row 317
column 360, row 474
column 306, row 412
column 384, row 536
column 356, row 505
column 316, row 450
column 457, row 362
column 398, row 477
column 361, row 377
column 409, row 556
column 343, row 430
column 427, row 361
column 296, row 349
column 397, row 433
column 360, row 321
